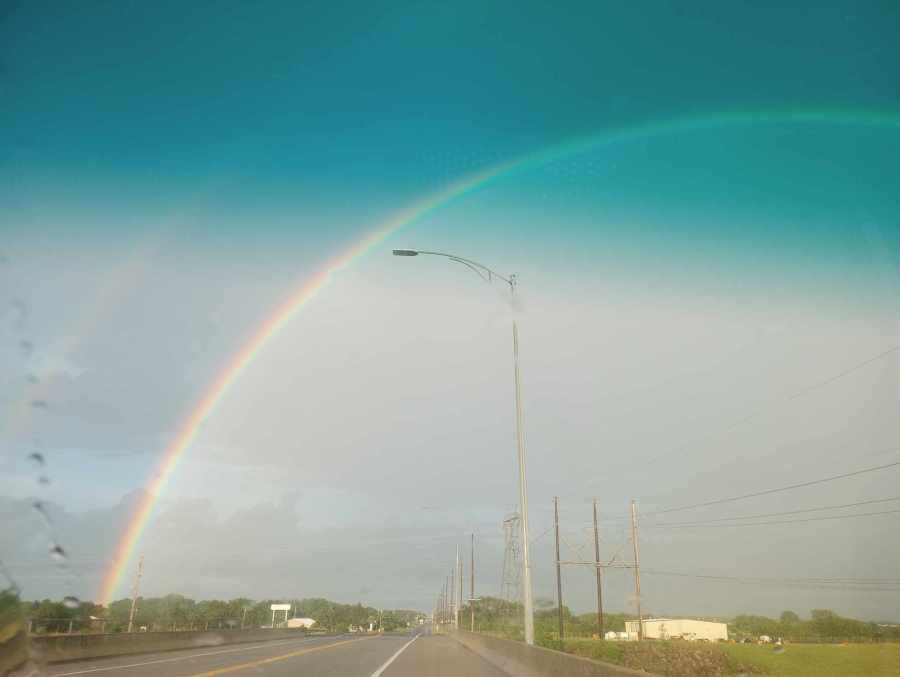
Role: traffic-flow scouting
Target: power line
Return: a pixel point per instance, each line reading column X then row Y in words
column 840, row 375
column 787, row 398
column 789, row 579
column 799, row 485
column 785, row 512
column 678, row 525
column 546, row 531
column 858, row 584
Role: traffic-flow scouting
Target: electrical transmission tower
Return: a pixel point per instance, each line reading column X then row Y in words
column 512, row 564
column 134, row 593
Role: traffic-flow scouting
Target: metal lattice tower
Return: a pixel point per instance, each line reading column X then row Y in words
column 512, row 564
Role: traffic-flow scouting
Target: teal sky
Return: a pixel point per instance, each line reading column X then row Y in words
column 315, row 123
column 169, row 172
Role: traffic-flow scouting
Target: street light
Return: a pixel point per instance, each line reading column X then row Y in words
column 488, row 275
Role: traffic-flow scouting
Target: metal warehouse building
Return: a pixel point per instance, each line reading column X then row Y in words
column 678, row 628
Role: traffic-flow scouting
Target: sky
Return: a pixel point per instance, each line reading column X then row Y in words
column 705, row 310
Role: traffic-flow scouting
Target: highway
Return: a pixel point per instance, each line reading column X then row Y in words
column 416, row 655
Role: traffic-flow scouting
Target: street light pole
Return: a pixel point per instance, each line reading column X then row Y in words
column 523, row 497
column 488, row 275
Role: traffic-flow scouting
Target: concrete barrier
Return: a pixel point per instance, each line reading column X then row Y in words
column 522, row 660
column 58, row 648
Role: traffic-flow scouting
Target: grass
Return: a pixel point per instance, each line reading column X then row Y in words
column 688, row 659
column 821, row 660
column 673, row 659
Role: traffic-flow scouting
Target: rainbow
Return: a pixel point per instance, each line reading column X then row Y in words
column 295, row 302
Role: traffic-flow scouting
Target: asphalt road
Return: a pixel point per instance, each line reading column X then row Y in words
column 344, row 656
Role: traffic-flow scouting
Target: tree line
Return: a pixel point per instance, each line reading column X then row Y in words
column 177, row 612
column 823, row 625
column 492, row 615
column 504, row 618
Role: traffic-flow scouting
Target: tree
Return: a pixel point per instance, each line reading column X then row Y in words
column 789, row 618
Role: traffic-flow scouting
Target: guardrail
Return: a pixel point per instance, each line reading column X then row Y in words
column 523, row 660
column 59, row 648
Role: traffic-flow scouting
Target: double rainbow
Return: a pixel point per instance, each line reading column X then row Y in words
column 298, row 299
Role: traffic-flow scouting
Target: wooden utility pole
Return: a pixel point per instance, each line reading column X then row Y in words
column 637, row 571
column 459, row 587
column 448, row 602
column 558, row 569
column 472, row 588
column 134, row 593
column 453, row 592
column 599, row 580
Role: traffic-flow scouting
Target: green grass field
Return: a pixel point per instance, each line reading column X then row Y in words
column 689, row 659
column 821, row 660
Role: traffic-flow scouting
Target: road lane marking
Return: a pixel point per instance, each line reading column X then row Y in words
column 390, row 660
column 273, row 659
column 179, row 658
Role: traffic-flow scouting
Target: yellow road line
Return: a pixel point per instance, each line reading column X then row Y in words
column 273, row 659
column 187, row 657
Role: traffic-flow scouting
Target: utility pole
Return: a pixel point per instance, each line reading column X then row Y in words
column 472, row 588
column 558, row 570
column 597, row 562
column 134, row 593
column 637, row 571
column 453, row 595
column 459, row 587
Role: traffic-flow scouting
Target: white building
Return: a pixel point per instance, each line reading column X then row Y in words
column 300, row 622
column 678, row 628
column 617, row 636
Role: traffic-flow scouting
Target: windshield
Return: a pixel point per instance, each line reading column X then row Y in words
column 326, row 328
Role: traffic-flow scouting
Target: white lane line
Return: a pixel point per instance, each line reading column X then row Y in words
column 179, row 658
column 390, row 660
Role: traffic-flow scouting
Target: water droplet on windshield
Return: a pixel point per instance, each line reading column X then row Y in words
column 70, row 602
column 19, row 305
column 57, row 553
column 21, row 311
column 42, row 511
